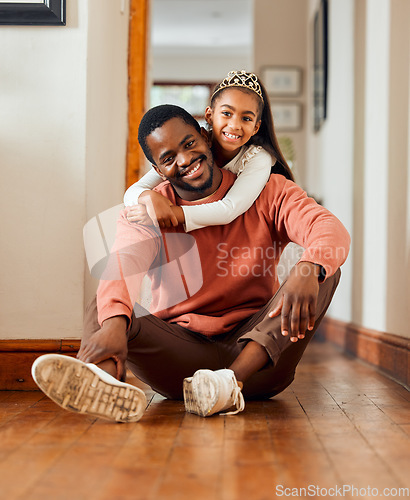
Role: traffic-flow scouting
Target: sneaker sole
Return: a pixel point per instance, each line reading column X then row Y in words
column 74, row 386
column 201, row 394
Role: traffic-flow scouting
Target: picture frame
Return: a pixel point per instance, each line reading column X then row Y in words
column 320, row 65
column 282, row 81
column 287, row 116
column 33, row 12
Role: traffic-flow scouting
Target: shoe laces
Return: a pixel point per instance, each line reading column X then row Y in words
column 238, row 401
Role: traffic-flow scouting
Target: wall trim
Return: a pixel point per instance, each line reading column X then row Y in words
column 388, row 353
column 17, row 356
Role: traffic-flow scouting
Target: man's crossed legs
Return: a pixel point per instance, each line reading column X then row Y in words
column 181, row 364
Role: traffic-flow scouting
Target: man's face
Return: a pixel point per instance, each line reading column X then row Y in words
column 182, row 156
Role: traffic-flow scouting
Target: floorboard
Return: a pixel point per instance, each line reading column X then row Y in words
column 339, row 423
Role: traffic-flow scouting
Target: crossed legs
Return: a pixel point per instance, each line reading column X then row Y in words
column 166, row 355
column 163, row 355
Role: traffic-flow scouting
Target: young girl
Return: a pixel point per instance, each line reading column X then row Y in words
column 243, row 141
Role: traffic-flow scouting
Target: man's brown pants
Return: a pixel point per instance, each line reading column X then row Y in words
column 162, row 354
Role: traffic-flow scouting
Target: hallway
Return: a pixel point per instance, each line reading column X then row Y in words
column 71, row 101
column 340, row 423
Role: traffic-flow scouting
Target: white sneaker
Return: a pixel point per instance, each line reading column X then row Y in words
column 85, row 388
column 209, row 392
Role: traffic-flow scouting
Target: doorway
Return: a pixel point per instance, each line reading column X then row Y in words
column 178, row 50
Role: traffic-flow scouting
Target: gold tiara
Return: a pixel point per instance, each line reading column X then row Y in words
column 240, row 79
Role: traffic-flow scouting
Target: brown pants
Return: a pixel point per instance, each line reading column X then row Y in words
column 162, row 354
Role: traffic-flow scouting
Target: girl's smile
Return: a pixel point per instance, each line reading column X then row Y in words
column 231, row 137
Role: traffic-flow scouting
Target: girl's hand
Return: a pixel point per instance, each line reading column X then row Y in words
column 297, row 301
column 159, row 209
column 139, row 214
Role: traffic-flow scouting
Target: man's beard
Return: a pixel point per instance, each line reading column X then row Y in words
column 198, row 189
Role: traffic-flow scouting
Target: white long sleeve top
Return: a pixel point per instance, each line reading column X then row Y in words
column 252, row 165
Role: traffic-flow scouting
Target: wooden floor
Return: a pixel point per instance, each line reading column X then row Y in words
column 339, row 424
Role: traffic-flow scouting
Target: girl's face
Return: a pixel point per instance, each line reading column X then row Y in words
column 234, row 119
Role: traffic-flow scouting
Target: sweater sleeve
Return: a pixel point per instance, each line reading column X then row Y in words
column 238, row 199
column 134, row 251
column 300, row 219
column 150, row 180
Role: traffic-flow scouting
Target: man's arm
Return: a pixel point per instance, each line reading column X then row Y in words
column 300, row 219
column 134, row 250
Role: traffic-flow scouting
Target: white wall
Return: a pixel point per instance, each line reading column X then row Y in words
column 42, row 158
column 359, row 161
column 281, row 34
column 330, row 174
column 197, row 66
column 398, row 220
column 381, row 283
column 52, row 145
column 107, row 110
column 376, row 163
column 200, row 40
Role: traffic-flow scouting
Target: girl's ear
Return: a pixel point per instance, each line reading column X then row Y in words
column 157, row 170
column 208, row 115
column 257, row 127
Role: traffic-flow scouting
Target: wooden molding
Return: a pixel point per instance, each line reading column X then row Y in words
column 389, row 353
column 137, row 65
column 17, row 356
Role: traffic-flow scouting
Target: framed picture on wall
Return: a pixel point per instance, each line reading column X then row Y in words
column 282, row 81
column 320, row 64
column 287, row 116
column 33, row 12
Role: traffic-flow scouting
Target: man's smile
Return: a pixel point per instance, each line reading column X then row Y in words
column 194, row 170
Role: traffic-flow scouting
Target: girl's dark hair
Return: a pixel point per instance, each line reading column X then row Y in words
column 265, row 136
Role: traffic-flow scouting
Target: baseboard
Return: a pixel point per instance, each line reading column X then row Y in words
column 388, row 353
column 17, row 356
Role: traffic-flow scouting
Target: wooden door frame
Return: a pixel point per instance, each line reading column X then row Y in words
column 137, row 84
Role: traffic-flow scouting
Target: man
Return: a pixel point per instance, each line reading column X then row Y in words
column 238, row 334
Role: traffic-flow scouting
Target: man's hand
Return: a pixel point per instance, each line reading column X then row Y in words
column 297, row 301
column 108, row 342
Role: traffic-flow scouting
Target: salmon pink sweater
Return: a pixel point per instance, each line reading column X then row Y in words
column 213, row 278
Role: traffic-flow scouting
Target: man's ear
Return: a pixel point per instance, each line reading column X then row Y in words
column 206, row 135
column 158, row 171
